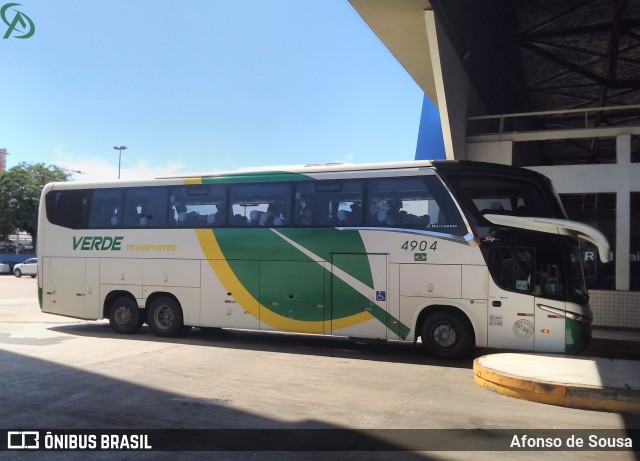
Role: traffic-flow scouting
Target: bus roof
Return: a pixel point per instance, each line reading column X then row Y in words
column 310, row 168
column 289, row 172
column 252, row 173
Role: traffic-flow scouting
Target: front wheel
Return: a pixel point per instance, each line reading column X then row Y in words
column 125, row 316
column 18, row 273
column 164, row 317
column 446, row 335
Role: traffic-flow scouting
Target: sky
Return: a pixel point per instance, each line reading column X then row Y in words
column 191, row 86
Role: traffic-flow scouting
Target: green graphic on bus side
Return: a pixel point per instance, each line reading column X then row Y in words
column 294, row 285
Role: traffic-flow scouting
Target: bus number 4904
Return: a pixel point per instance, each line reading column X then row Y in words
column 421, row 245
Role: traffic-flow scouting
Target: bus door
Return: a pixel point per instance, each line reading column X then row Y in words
column 511, row 310
column 292, row 296
column 526, row 299
column 71, row 287
column 549, row 289
column 359, row 295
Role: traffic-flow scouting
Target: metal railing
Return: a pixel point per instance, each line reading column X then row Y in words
column 524, row 121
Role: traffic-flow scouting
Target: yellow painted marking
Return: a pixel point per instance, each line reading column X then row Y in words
column 550, row 393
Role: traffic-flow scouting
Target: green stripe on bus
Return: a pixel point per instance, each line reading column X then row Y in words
column 325, row 242
column 292, row 283
column 264, row 245
column 258, row 177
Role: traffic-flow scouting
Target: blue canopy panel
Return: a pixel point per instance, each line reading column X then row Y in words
column 430, row 141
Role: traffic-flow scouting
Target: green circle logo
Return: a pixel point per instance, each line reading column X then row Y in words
column 19, row 23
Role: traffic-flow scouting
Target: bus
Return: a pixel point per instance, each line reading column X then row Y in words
column 455, row 254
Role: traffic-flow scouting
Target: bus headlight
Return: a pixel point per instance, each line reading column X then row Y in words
column 566, row 314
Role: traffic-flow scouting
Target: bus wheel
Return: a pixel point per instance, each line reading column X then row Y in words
column 164, row 317
column 446, row 335
column 124, row 316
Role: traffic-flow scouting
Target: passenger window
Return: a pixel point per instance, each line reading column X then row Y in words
column 260, row 205
column 401, row 203
column 416, row 203
column 197, row 206
column 329, row 203
column 69, row 208
column 145, row 207
column 106, row 209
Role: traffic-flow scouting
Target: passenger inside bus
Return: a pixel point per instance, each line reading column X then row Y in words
column 306, row 217
column 267, row 218
column 393, row 213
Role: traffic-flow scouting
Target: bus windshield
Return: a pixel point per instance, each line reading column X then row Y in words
column 480, row 194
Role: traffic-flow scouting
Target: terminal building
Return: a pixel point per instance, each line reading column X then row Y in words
column 549, row 85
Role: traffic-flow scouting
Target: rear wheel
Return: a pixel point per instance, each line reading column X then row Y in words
column 446, row 335
column 164, row 317
column 125, row 316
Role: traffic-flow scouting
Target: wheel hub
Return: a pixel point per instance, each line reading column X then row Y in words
column 123, row 315
column 444, row 335
column 164, row 317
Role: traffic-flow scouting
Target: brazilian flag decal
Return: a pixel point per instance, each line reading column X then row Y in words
column 296, row 273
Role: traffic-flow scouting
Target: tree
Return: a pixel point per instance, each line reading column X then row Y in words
column 20, row 189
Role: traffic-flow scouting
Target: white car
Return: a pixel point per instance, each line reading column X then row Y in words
column 29, row 267
column 5, row 268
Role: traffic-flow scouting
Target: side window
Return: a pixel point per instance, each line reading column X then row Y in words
column 400, row 203
column 197, row 206
column 266, row 205
column 69, row 208
column 526, row 270
column 512, row 268
column 549, row 278
column 419, row 202
column 145, row 207
column 106, row 209
column 329, row 203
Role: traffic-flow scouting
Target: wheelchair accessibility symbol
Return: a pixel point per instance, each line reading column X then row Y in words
column 381, row 295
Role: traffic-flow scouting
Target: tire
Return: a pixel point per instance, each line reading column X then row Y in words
column 33, row 276
column 124, row 316
column 446, row 335
column 164, row 317
column 18, row 273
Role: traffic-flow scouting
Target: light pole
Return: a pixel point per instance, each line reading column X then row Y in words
column 121, row 148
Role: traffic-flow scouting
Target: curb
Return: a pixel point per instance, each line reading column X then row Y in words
column 564, row 395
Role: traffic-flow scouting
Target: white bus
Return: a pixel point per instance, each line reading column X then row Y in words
column 459, row 254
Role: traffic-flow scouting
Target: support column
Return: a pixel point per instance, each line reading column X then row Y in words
column 432, row 35
column 453, row 88
column 623, row 214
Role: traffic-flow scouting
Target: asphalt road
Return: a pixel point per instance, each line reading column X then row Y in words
column 66, row 374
